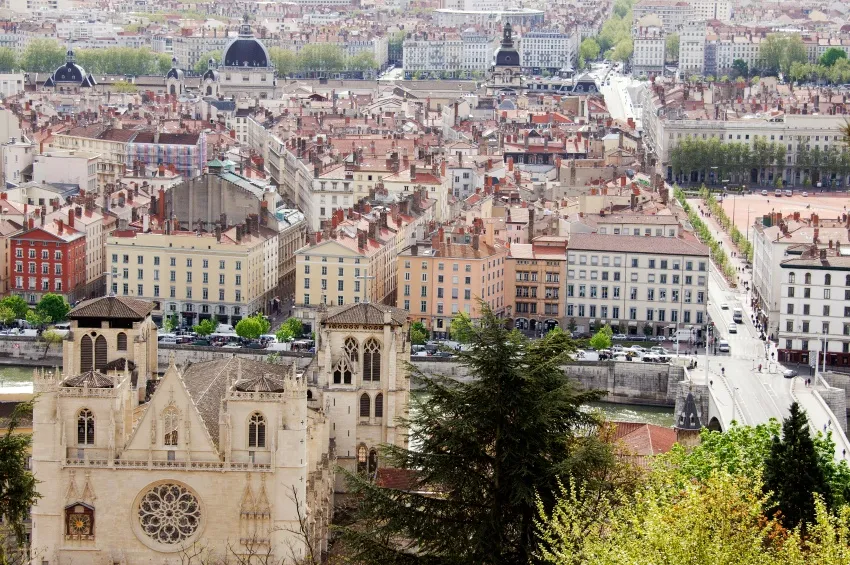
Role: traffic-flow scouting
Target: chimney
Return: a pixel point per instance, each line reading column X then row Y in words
column 31, row 223
column 70, row 218
column 816, row 234
column 475, row 241
column 414, row 249
column 412, row 171
column 78, row 211
column 530, row 224
column 239, row 233
column 361, row 239
column 60, row 224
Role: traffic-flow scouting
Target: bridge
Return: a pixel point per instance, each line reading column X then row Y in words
column 737, row 390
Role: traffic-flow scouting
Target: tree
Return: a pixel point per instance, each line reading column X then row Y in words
column 171, row 323
column 53, row 306
column 771, row 52
column 17, row 483
column 418, row 333
column 290, row 329
column 362, row 61
column 461, row 328
column 163, row 64
column 623, row 50
column 793, row 472
column 647, row 329
column 7, row 315
column 285, row 61
column 831, row 55
column 672, row 44
column 51, row 337
column 8, row 60
column 741, row 68
column 252, row 327
column 38, row 318
column 17, row 304
column 602, row 338
column 205, row 327
column 124, row 86
column 588, row 51
column 795, row 52
column 516, row 429
column 42, row 56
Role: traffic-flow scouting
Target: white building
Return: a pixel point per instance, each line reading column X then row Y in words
column 31, row 7
column 474, row 5
column 67, row 167
column 815, row 307
column 673, row 13
column 11, row 84
column 692, row 49
column 650, row 46
column 83, row 29
column 712, row 10
column 469, row 52
column 189, row 49
column 622, row 281
column 549, row 50
column 17, row 156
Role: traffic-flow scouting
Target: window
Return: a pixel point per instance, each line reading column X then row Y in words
column 365, row 405
column 807, row 278
column 790, row 292
column 827, row 279
column 85, row 427
column 170, row 423
column 790, row 309
column 122, row 341
column 257, row 430
column 371, row 361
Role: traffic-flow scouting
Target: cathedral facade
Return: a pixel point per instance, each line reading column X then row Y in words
column 231, row 457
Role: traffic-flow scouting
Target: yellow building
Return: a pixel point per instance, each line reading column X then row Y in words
column 439, row 280
column 534, row 275
column 224, row 276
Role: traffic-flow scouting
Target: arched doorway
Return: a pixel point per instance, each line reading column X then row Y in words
column 714, row 425
column 521, row 324
column 532, row 324
column 172, row 89
column 551, row 325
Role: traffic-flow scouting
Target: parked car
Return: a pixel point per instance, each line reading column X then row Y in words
column 789, row 193
column 805, row 193
column 789, row 373
column 620, row 337
column 658, row 350
column 231, row 346
column 637, row 349
column 777, row 193
column 764, row 193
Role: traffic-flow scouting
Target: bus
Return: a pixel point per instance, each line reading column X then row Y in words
column 737, row 315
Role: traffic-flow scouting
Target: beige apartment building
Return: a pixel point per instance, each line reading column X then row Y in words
column 534, row 275
column 226, row 276
column 436, row 281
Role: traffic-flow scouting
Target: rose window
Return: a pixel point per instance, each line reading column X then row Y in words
column 169, row 513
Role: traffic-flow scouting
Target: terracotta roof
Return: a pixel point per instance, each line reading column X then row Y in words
column 112, row 307
column 365, row 313
column 260, row 383
column 645, row 439
column 207, row 383
column 91, row 379
column 397, row 479
column 636, row 244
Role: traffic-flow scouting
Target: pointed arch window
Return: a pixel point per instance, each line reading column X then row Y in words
column 365, row 405
column 86, row 354
column 85, row 427
column 170, row 423
column 379, row 406
column 352, row 349
column 372, row 361
column 100, row 352
column 122, row 341
column 257, row 430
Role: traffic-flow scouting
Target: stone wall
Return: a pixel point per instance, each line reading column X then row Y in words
column 839, row 381
column 184, row 354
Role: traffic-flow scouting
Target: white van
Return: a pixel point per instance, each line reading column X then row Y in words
column 723, row 346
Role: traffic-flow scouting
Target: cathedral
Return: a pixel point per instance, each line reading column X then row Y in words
column 230, row 456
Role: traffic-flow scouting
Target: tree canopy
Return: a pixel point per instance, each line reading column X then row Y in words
column 831, row 56
column 672, row 47
column 461, row 328
column 418, row 333
column 42, row 56
column 588, row 51
column 487, row 451
column 290, row 329
column 205, row 327
column 17, row 483
column 53, row 307
column 121, row 61
column 779, row 51
column 17, row 304
column 602, row 338
column 252, row 327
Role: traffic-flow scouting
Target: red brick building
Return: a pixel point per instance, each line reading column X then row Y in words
column 48, row 258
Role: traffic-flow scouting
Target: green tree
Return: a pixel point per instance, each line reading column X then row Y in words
column 17, row 483
column 42, row 56
column 203, row 62
column 50, row 337
column 37, row 318
column 623, row 50
column 771, row 52
column 602, row 338
column 461, row 328
column 171, row 323
column 672, row 44
column 290, row 329
column 53, row 306
column 363, row 61
column 418, row 333
column 17, row 304
column 163, row 64
column 588, row 51
column 647, row 329
column 252, row 327
column 515, row 429
column 793, row 472
column 741, row 68
column 795, row 52
column 7, row 315
column 205, row 327
column 124, row 86
column 8, row 60
column 285, row 61
column 831, row 55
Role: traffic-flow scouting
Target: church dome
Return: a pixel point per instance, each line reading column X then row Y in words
column 246, row 50
column 507, row 55
column 70, row 72
column 174, row 72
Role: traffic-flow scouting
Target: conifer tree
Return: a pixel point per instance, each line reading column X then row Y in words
column 483, row 450
column 793, row 472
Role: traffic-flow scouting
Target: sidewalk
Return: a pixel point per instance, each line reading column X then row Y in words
column 812, row 405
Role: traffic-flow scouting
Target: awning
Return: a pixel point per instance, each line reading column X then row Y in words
column 633, row 323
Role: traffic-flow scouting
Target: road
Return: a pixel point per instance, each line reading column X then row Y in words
column 758, row 395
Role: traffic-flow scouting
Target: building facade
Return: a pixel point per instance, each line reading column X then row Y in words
column 549, row 50
column 48, row 258
column 535, row 277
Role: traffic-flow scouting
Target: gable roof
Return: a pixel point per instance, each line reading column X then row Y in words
column 365, row 313
column 112, row 307
column 645, row 439
column 90, row 379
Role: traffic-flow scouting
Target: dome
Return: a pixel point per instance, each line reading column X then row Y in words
column 211, row 73
column 70, row 72
column 174, row 72
column 246, row 50
column 507, row 55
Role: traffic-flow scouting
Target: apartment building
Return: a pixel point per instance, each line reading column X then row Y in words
column 638, row 288
column 535, row 277
column 815, row 307
column 672, row 13
column 646, row 225
column 692, row 49
column 440, row 279
column 188, row 49
column 548, row 50
column 225, row 276
column 470, row 51
column 720, row 10
column 67, row 167
column 650, row 47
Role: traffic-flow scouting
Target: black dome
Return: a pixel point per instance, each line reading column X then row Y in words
column 245, row 50
column 174, row 72
column 507, row 55
column 70, row 71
